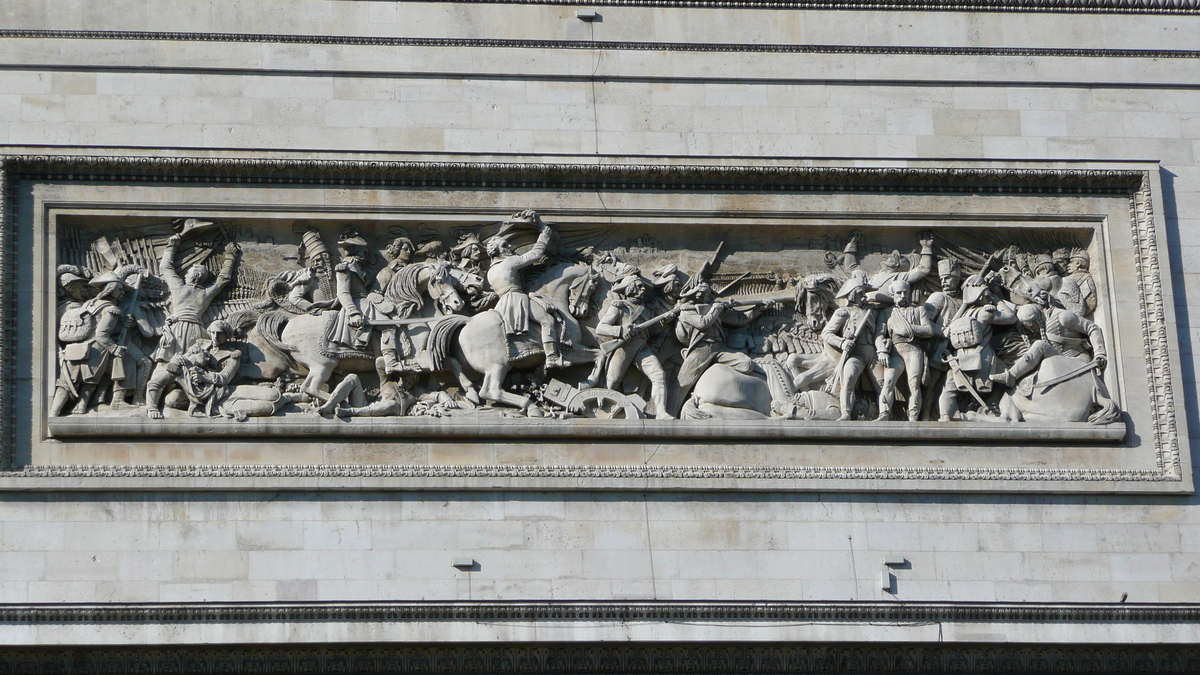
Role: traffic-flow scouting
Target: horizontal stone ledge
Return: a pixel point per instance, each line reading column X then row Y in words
column 632, row 430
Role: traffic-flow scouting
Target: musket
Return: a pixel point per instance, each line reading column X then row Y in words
column 607, row 348
column 858, row 331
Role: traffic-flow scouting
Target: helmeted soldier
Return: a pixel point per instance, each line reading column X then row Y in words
column 90, row 334
column 1079, row 271
column 515, row 306
column 970, row 335
column 900, row 332
column 624, row 312
column 851, row 331
column 701, row 330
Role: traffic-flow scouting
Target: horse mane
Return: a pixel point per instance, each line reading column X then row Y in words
column 404, row 289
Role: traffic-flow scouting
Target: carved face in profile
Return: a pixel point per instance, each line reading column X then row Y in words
column 1078, row 264
column 401, row 249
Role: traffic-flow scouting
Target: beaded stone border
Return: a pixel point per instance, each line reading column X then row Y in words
column 1134, row 185
column 503, row 43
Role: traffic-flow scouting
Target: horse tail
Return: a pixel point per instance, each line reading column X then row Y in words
column 1108, row 412
column 441, row 337
column 269, row 330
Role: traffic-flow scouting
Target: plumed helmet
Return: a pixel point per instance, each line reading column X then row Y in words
column 974, row 288
column 1042, row 261
column 626, row 283
column 694, row 286
column 220, row 326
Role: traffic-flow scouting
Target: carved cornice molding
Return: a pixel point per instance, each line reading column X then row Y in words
column 605, row 658
column 378, row 41
column 1075, row 6
column 510, row 175
column 596, row 612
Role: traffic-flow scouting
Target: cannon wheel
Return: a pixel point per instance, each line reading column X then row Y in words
column 600, row 403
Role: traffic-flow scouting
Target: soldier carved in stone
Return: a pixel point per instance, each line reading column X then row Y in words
column 900, row 334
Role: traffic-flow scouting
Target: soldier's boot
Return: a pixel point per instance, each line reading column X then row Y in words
column 885, row 408
column 553, row 358
column 391, row 364
column 60, row 401
column 118, row 399
column 1006, row 377
column 85, row 399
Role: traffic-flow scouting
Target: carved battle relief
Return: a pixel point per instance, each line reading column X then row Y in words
column 528, row 318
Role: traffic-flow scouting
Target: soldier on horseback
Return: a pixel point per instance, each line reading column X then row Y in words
column 1056, row 332
column 516, row 307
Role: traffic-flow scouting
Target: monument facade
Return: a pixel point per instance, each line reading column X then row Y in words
column 376, row 336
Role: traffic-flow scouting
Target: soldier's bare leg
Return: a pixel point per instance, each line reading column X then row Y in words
column 350, row 388
column 914, row 367
column 650, row 366
column 887, row 392
column 159, row 379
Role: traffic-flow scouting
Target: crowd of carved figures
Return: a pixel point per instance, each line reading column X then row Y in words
column 523, row 323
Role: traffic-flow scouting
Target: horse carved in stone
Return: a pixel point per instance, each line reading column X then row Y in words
column 282, row 342
column 480, row 342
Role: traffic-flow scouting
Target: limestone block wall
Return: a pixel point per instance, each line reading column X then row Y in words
column 465, row 80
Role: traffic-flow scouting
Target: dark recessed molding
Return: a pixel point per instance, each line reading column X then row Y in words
column 613, row 658
column 719, row 47
column 597, row 611
column 510, row 175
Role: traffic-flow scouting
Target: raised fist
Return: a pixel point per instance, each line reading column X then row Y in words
column 926, row 239
column 174, row 240
column 232, row 248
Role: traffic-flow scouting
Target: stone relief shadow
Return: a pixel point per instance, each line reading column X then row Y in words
column 1183, row 321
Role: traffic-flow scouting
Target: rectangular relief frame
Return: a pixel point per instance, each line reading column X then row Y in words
column 757, row 234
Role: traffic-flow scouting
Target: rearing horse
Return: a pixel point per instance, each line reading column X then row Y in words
column 299, row 342
column 481, row 343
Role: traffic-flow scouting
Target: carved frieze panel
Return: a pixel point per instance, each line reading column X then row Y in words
column 758, row 328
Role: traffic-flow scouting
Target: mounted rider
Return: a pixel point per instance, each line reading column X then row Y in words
column 701, row 329
column 1056, row 332
column 361, row 302
column 516, row 307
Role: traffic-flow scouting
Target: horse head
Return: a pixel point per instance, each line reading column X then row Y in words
column 815, row 298
column 442, row 287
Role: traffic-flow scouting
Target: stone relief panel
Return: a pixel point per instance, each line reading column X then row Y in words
column 229, row 319
column 697, row 330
